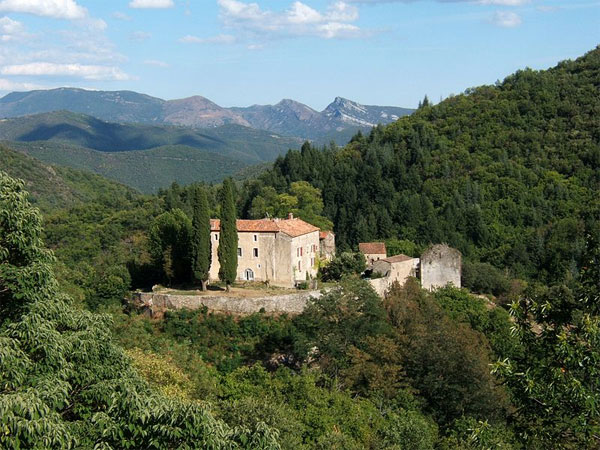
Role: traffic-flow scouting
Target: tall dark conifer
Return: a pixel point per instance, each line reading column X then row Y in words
column 228, row 241
column 201, row 251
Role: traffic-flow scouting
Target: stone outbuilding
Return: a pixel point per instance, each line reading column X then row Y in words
column 397, row 268
column 440, row 265
column 393, row 269
column 327, row 245
column 373, row 251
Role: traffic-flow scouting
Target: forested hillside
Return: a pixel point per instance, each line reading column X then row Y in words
column 53, row 187
column 146, row 157
column 509, row 174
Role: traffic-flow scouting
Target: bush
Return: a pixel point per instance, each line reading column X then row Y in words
column 343, row 265
column 484, row 278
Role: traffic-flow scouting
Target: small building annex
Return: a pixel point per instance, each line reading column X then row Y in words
column 282, row 252
column 373, row 251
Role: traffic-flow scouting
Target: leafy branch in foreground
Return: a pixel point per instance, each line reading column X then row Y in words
column 63, row 381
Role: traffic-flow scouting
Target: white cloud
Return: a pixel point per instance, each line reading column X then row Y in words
column 156, row 63
column 342, row 12
column 121, row 16
column 506, row 19
column 298, row 19
column 218, row 39
column 85, row 71
column 140, row 36
column 9, row 85
column 59, row 9
column 155, row 4
column 10, row 29
column 335, row 29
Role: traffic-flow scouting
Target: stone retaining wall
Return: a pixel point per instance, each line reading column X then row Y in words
column 157, row 304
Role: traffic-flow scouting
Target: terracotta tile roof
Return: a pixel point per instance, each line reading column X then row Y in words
column 372, row 248
column 324, row 234
column 291, row 227
column 398, row 258
column 295, row 227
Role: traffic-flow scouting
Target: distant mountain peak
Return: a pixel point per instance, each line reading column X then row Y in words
column 287, row 117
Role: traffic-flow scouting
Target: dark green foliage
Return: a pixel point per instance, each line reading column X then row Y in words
column 447, row 362
column 109, row 287
column 201, row 245
column 341, row 318
column 482, row 316
column 556, row 382
column 302, row 200
column 484, row 278
column 471, row 434
column 228, row 239
column 25, row 275
column 170, row 245
column 508, row 174
column 343, row 265
column 64, row 384
column 54, row 187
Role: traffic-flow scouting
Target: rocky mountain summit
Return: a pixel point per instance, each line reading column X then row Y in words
column 288, row 117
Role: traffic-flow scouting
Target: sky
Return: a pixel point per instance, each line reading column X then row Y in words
column 239, row 53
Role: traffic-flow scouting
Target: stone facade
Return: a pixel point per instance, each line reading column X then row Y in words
column 440, row 265
column 327, row 245
column 282, row 252
column 156, row 304
column 397, row 268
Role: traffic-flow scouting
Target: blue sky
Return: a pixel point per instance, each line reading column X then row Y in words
column 238, row 52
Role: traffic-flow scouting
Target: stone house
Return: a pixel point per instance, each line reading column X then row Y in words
column 373, row 251
column 438, row 266
column 327, row 245
column 282, row 252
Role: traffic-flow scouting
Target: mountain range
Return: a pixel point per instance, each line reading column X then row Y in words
column 338, row 121
column 143, row 156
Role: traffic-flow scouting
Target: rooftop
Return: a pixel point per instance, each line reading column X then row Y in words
column 324, row 234
column 398, row 258
column 372, row 248
column 293, row 227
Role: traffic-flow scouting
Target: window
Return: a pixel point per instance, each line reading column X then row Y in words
column 300, row 251
column 255, row 238
column 216, row 237
column 312, row 262
column 239, row 251
column 299, row 266
column 255, row 250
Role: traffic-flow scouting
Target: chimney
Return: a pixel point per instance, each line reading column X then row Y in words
column 290, row 216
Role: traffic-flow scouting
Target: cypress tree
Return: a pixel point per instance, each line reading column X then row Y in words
column 201, row 251
column 228, row 241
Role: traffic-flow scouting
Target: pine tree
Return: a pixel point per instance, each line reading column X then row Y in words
column 201, row 237
column 228, row 241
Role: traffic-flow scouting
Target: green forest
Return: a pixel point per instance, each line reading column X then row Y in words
column 509, row 174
